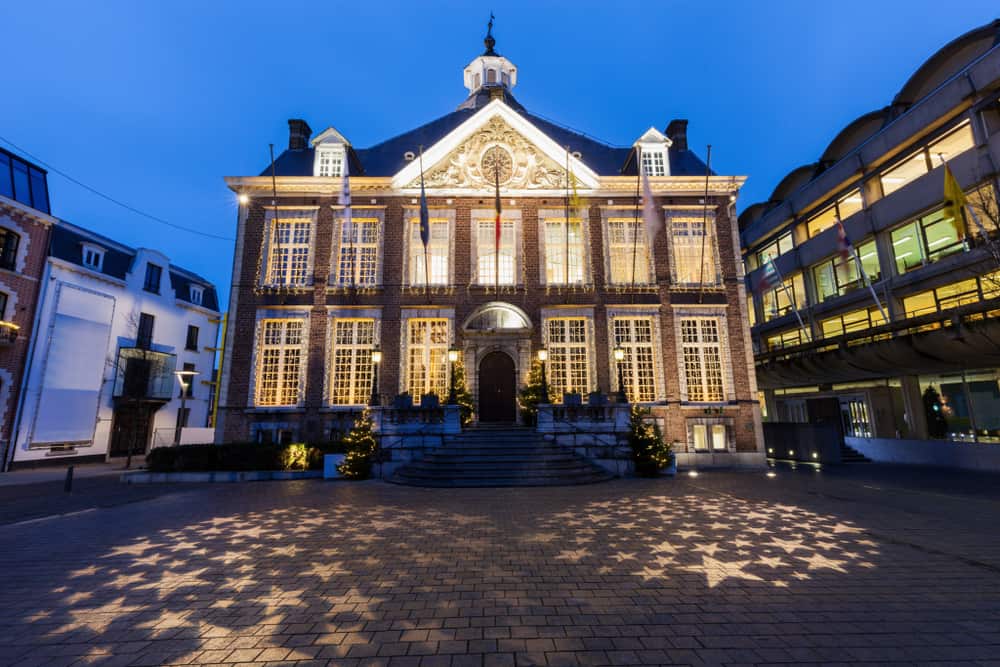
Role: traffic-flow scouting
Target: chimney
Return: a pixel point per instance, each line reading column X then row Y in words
column 298, row 134
column 677, row 131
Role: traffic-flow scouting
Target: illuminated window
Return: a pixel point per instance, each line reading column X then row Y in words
column 486, row 252
column 925, row 240
column 357, row 264
column 702, row 351
column 788, row 338
column 856, row 320
column 427, row 357
column 943, row 298
column 635, row 336
column 562, row 241
column 329, row 162
column 774, row 249
column 279, row 361
column 628, row 249
column 836, row 276
column 694, row 253
column 708, row 437
column 921, row 162
column 568, row 344
column 784, row 298
column 843, row 208
column 653, row 162
column 437, row 253
column 288, row 260
column 351, row 366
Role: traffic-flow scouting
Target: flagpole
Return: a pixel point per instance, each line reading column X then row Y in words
column 426, row 242
column 704, row 218
column 566, row 256
column 498, row 230
column 861, row 271
column 274, row 205
column 635, row 217
column 791, row 298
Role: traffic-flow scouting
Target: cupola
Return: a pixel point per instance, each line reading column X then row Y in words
column 490, row 70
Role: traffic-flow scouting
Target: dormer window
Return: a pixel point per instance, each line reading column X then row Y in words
column 93, row 257
column 330, row 161
column 653, row 162
column 152, row 281
column 197, row 292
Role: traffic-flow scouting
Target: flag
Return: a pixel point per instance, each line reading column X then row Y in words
column 650, row 217
column 954, row 202
column 769, row 278
column 843, row 243
column 425, row 217
column 345, row 200
column 497, row 217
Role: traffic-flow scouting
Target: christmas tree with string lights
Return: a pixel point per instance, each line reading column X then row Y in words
column 531, row 395
column 462, row 395
column 361, row 446
column 650, row 452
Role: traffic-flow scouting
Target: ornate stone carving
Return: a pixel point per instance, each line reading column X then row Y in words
column 522, row 166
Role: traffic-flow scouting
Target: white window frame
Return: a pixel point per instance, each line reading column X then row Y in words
column 554, row 366
column 655, row 345
column 358, row 351
column 654, row 160
column 699, row 348
column 329, row 161
column 284, row 348
column 301, row 250
column 413, row 249
column 510, row 246
column 557, row 249
column 196, row 294
column 692, row 222
column 428, row 351
column 95, row 252
column 643, row 257
column 371, row 220
column 717, row 435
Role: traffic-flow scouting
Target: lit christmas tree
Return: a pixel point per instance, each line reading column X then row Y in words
column 649, row 451
column 531, row 395
column 462, row 396
column 361, row 446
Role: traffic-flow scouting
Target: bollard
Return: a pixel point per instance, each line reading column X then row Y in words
column 68, row 485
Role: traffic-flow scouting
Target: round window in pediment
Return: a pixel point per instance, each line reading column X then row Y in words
column 496, row 165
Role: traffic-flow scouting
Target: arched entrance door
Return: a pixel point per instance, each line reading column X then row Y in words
column 497, row 384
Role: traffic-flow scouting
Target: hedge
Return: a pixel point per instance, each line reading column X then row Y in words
column 239, row 456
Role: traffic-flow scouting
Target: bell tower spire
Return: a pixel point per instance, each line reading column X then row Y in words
column 490, row 71
column 489, row 41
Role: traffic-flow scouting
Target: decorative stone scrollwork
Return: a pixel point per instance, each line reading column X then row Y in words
column 496, row 146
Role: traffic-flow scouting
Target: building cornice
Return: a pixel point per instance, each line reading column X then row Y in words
column 18, row 211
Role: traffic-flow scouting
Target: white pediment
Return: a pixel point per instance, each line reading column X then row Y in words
column 330, row 136
column 496, row 141
column 653, row 136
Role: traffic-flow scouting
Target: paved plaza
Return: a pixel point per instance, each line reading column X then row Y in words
column 848, row 565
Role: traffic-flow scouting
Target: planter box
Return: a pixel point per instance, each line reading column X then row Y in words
column 215, row 477
column 330, row 463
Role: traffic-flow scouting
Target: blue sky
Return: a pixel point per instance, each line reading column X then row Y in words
column 154, row 102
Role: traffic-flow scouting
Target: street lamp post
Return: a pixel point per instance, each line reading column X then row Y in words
column 543, row 356
column 376, row 360
column 452, row 359
column 619, row 358
column 181, row 377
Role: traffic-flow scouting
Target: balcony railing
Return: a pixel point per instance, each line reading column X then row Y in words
column 144, row 374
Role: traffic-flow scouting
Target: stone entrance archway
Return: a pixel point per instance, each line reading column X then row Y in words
column 496, row 327
column 497, row 388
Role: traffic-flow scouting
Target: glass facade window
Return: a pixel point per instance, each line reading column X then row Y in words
column 855, row 320
column 788, row 338
column 963, row 406
column 350, row 379
column 23, row 182
column 836, row 276
column 568, row 343
column 279, row 361
column 783, row 299
column 774, row 249
column 427, row 357
column 924, row 160
column 627, row 248
column 562, row 242
column 437, row 253
column 925, row 240
column 634, row 335
column 843, row 208
column 943, row 298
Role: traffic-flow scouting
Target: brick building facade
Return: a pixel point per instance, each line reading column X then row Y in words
column 314, row 292
column 25, row 224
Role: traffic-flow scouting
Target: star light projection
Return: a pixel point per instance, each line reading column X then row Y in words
column 402, row 560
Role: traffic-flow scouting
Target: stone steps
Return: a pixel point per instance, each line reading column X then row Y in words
column 499, row 456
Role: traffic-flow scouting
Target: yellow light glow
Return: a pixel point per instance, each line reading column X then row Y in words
column 543, row 355
column 377, row 356
column 244, row 200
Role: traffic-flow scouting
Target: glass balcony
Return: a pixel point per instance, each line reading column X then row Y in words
column 144, row 375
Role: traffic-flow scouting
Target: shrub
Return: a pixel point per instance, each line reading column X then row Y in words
column 294, row 457
column 238, row 456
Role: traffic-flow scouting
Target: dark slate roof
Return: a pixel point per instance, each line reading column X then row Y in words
column 67, row 244
column 386, row 158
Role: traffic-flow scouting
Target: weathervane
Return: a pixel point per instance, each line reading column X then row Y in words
column 489, row 41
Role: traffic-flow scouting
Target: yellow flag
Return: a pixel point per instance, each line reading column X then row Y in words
column 954, row 202
column 574, row 200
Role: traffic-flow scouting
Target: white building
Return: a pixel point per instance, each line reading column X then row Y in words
column 113, row 324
